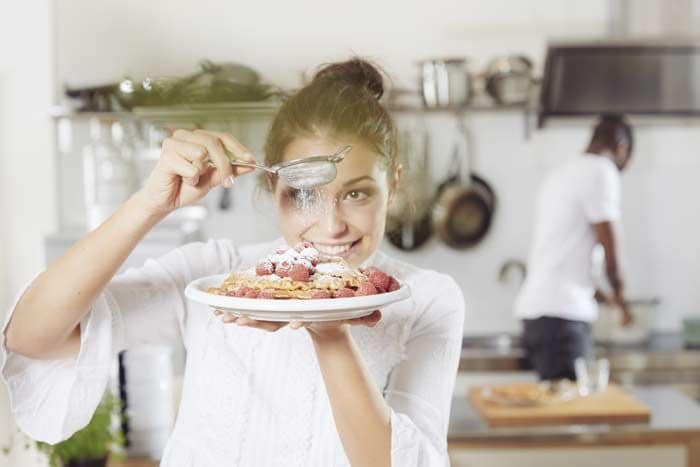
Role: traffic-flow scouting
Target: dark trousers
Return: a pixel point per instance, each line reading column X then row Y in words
column 552, row 345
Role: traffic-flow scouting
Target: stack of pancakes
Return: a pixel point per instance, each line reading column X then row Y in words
column 312, row 276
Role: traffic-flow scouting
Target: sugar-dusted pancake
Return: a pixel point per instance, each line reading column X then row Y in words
column 302, row 273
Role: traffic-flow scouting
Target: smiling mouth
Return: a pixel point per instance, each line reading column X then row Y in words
column 336, row 249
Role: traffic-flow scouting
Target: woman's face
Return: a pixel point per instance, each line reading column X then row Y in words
column 344, row 218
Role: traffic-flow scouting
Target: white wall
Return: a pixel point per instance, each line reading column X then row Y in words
column 26, row 165
column 100, row 42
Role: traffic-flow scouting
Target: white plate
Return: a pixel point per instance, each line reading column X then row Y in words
column 330, row 309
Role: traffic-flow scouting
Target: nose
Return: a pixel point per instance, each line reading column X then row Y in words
column 333, row 223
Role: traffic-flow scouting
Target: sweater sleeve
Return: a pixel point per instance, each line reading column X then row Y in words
column 420, row 388
column 52, row 399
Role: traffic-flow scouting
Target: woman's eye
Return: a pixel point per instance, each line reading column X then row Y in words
column 356, row 195
column 302, row 199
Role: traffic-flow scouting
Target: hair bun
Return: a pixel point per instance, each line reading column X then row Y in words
column 356, row 72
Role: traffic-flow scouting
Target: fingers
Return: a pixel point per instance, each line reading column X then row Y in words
column 298, row 324
column 203, row 147
column 270, row 326
column 232, row 144
column 184, row 159
column 214, row 151
column 238, row 150
column 227, row 317
column 370, row 320
column 230, row 318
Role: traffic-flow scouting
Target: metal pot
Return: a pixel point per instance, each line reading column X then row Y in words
column 509, row 79
column 445, row 82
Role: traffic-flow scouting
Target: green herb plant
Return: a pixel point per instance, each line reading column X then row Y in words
column 100, row 438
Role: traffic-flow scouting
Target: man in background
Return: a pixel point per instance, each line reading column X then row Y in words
column 577, row 206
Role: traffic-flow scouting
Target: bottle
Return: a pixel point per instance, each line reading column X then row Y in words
column 108, row 174
column 148, row 152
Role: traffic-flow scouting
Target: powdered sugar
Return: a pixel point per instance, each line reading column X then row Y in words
column 332, row 268
column 330, row 272
column 309, row 253
column 292, row 257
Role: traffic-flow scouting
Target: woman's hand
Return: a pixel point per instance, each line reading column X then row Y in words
column 190, row 165
column 320, row 330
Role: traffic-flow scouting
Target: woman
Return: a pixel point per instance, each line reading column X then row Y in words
column 374, row 391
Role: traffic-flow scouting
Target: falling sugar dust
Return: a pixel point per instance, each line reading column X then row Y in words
column 312, row 201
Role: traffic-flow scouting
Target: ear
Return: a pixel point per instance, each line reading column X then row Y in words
column 622, row 154
column 395, row 183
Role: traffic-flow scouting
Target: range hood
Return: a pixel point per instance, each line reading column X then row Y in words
column 653, row 77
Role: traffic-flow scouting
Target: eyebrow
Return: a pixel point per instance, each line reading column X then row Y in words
column 358, row 179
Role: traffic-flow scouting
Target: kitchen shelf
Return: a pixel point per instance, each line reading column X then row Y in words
column 201, row 113
column 58, row 112
column 463, row 109
column 266, row 108
column 207, row 112
column 178, row 113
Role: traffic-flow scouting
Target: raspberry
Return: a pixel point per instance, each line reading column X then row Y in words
column 240, row 291
column 321, row 294
column 283, row 268
column 299, row 273
column 378, row 278
column 345, row 292
column 309, row 253
column 264, row 268
column 267, row 294
column 366, row 288
column 251, row 293
column 302, row 246
column 393, row 284
column 306, row 263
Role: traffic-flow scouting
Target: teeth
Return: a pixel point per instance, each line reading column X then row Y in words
column 332, row 249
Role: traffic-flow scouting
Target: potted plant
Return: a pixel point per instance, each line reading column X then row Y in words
column 92, row 445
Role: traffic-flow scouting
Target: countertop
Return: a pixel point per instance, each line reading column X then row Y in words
column 133, row 462
column 673, row 414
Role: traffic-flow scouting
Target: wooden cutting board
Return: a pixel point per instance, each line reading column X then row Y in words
column 613, row 406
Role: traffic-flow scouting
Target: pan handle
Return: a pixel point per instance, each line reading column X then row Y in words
column 454, row 171
column 466, row 159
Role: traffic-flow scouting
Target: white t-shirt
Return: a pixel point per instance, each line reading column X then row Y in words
column 572, row 198
column 251, row 397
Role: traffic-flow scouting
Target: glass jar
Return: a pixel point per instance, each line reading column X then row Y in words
column 108, row 173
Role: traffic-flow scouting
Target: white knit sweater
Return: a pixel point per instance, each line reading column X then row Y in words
column 250, row 397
